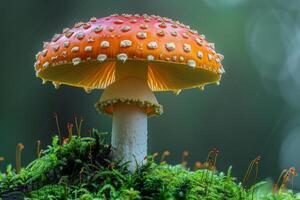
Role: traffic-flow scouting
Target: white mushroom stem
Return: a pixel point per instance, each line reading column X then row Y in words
column 130, row 94
column 129, row 134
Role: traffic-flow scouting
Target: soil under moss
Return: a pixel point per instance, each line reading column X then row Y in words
column 82, row 168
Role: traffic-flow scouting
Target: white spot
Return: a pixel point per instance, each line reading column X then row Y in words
column 199, row 41
column 36, row 64
column 126, row 15
column 185, row 35
column 64, row 54
column 38, row 72
column 65, row 30
column 88, row 48
column 88, row 90
column 122, row 57
column 44, row 52
column 55, row 47
column 45, row 65
column 44, row 81
column 54, row 58
column 80, row 35
column 194, row 31
column 125, row 43
column 218, row 60
column 181, row 59
column 202, row 36
column 45, row 44
column 177, row 92
column 143, row 26
column 55, row 37
column 218, row 83
column 98, row 29
column 150, row 57
column 162, row 25
column 37, row 55
column 174, row 33
column 200, row 54
column 118, row 21
column 111, row 29
column 93, row 19
column 90, row 40
column 86, row 25
column 161, row 33
column 212, row 45
column 133, row 21
column 125, row 28
column 174, row 58
column 170, row 46
column 101, row 57
column 191, row 63
column 56, row 85
column 221, row 70
column 78, row 24
column 210, row 57
column 104, row 44
column 174, row 26
column 152, row 45
column 221, row 56
column 141, row 35
column 187, row 48
column 66, row 43
column 75, row 49
column 76, row 61
column 69, row 34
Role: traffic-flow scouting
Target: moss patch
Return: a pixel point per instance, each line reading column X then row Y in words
column 83, row 169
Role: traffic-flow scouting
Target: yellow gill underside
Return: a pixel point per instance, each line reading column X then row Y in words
column 162, row 76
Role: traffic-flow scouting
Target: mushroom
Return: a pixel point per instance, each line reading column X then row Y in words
column 130, row 57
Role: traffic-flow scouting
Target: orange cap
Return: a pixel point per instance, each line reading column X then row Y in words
column 87, row 54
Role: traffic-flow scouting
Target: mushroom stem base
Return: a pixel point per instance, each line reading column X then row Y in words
column 129, row 134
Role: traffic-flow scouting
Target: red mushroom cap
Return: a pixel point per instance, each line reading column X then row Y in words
column 87, row 54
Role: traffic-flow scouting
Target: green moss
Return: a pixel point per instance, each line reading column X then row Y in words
column 83, row 169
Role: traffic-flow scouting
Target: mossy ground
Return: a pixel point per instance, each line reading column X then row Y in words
column 82, row 168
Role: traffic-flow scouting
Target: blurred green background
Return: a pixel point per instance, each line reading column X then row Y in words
column 255, row 110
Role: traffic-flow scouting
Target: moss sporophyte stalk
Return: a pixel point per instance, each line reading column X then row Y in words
column 83, row 168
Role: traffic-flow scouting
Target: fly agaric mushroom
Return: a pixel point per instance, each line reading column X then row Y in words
column 130, row 56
